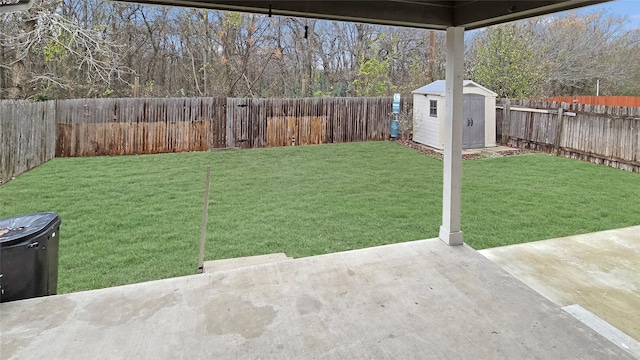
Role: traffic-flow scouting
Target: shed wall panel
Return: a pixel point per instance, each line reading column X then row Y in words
column 426, row 129
column 490, row 121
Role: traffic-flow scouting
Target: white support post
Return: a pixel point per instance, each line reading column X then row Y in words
column 452, row 183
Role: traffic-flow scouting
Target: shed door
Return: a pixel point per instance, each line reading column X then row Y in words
column 473, row 121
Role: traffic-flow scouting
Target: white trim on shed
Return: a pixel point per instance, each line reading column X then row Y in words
column 429, row 129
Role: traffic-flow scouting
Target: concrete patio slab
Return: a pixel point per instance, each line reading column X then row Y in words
column 599, row 271
column 415, row 300
column 490, row 150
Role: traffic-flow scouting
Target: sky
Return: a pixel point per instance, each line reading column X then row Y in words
column 622, row 8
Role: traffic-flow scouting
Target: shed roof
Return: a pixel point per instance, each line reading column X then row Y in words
column 438, row 88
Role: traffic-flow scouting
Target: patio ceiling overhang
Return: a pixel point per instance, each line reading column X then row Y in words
column 430, row 14
column 454, row 16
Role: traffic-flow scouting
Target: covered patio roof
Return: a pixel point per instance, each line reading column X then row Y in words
column 431, row 14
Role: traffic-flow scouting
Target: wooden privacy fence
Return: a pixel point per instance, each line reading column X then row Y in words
column 32, row 133
column 599, row 134
column 27, row 136
column 88, row 127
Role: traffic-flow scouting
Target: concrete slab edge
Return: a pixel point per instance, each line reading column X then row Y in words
column 613, row 232
column 610, row 332
column 243, row 262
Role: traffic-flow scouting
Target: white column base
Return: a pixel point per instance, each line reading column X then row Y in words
column 451, row 238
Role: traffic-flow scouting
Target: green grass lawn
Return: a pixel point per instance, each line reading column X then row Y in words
column 136, row 218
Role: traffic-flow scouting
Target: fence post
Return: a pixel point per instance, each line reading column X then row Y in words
column 203, row 232
column 506, row 121
column 56, row 116
column 559, row 126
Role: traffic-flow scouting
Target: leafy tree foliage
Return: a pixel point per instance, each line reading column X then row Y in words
column 504, row 62
column 373, row 78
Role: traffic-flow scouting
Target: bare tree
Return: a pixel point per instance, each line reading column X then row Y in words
column 576, row 51
column 53, row 51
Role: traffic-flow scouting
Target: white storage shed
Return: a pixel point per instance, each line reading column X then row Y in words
column 478, row 123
